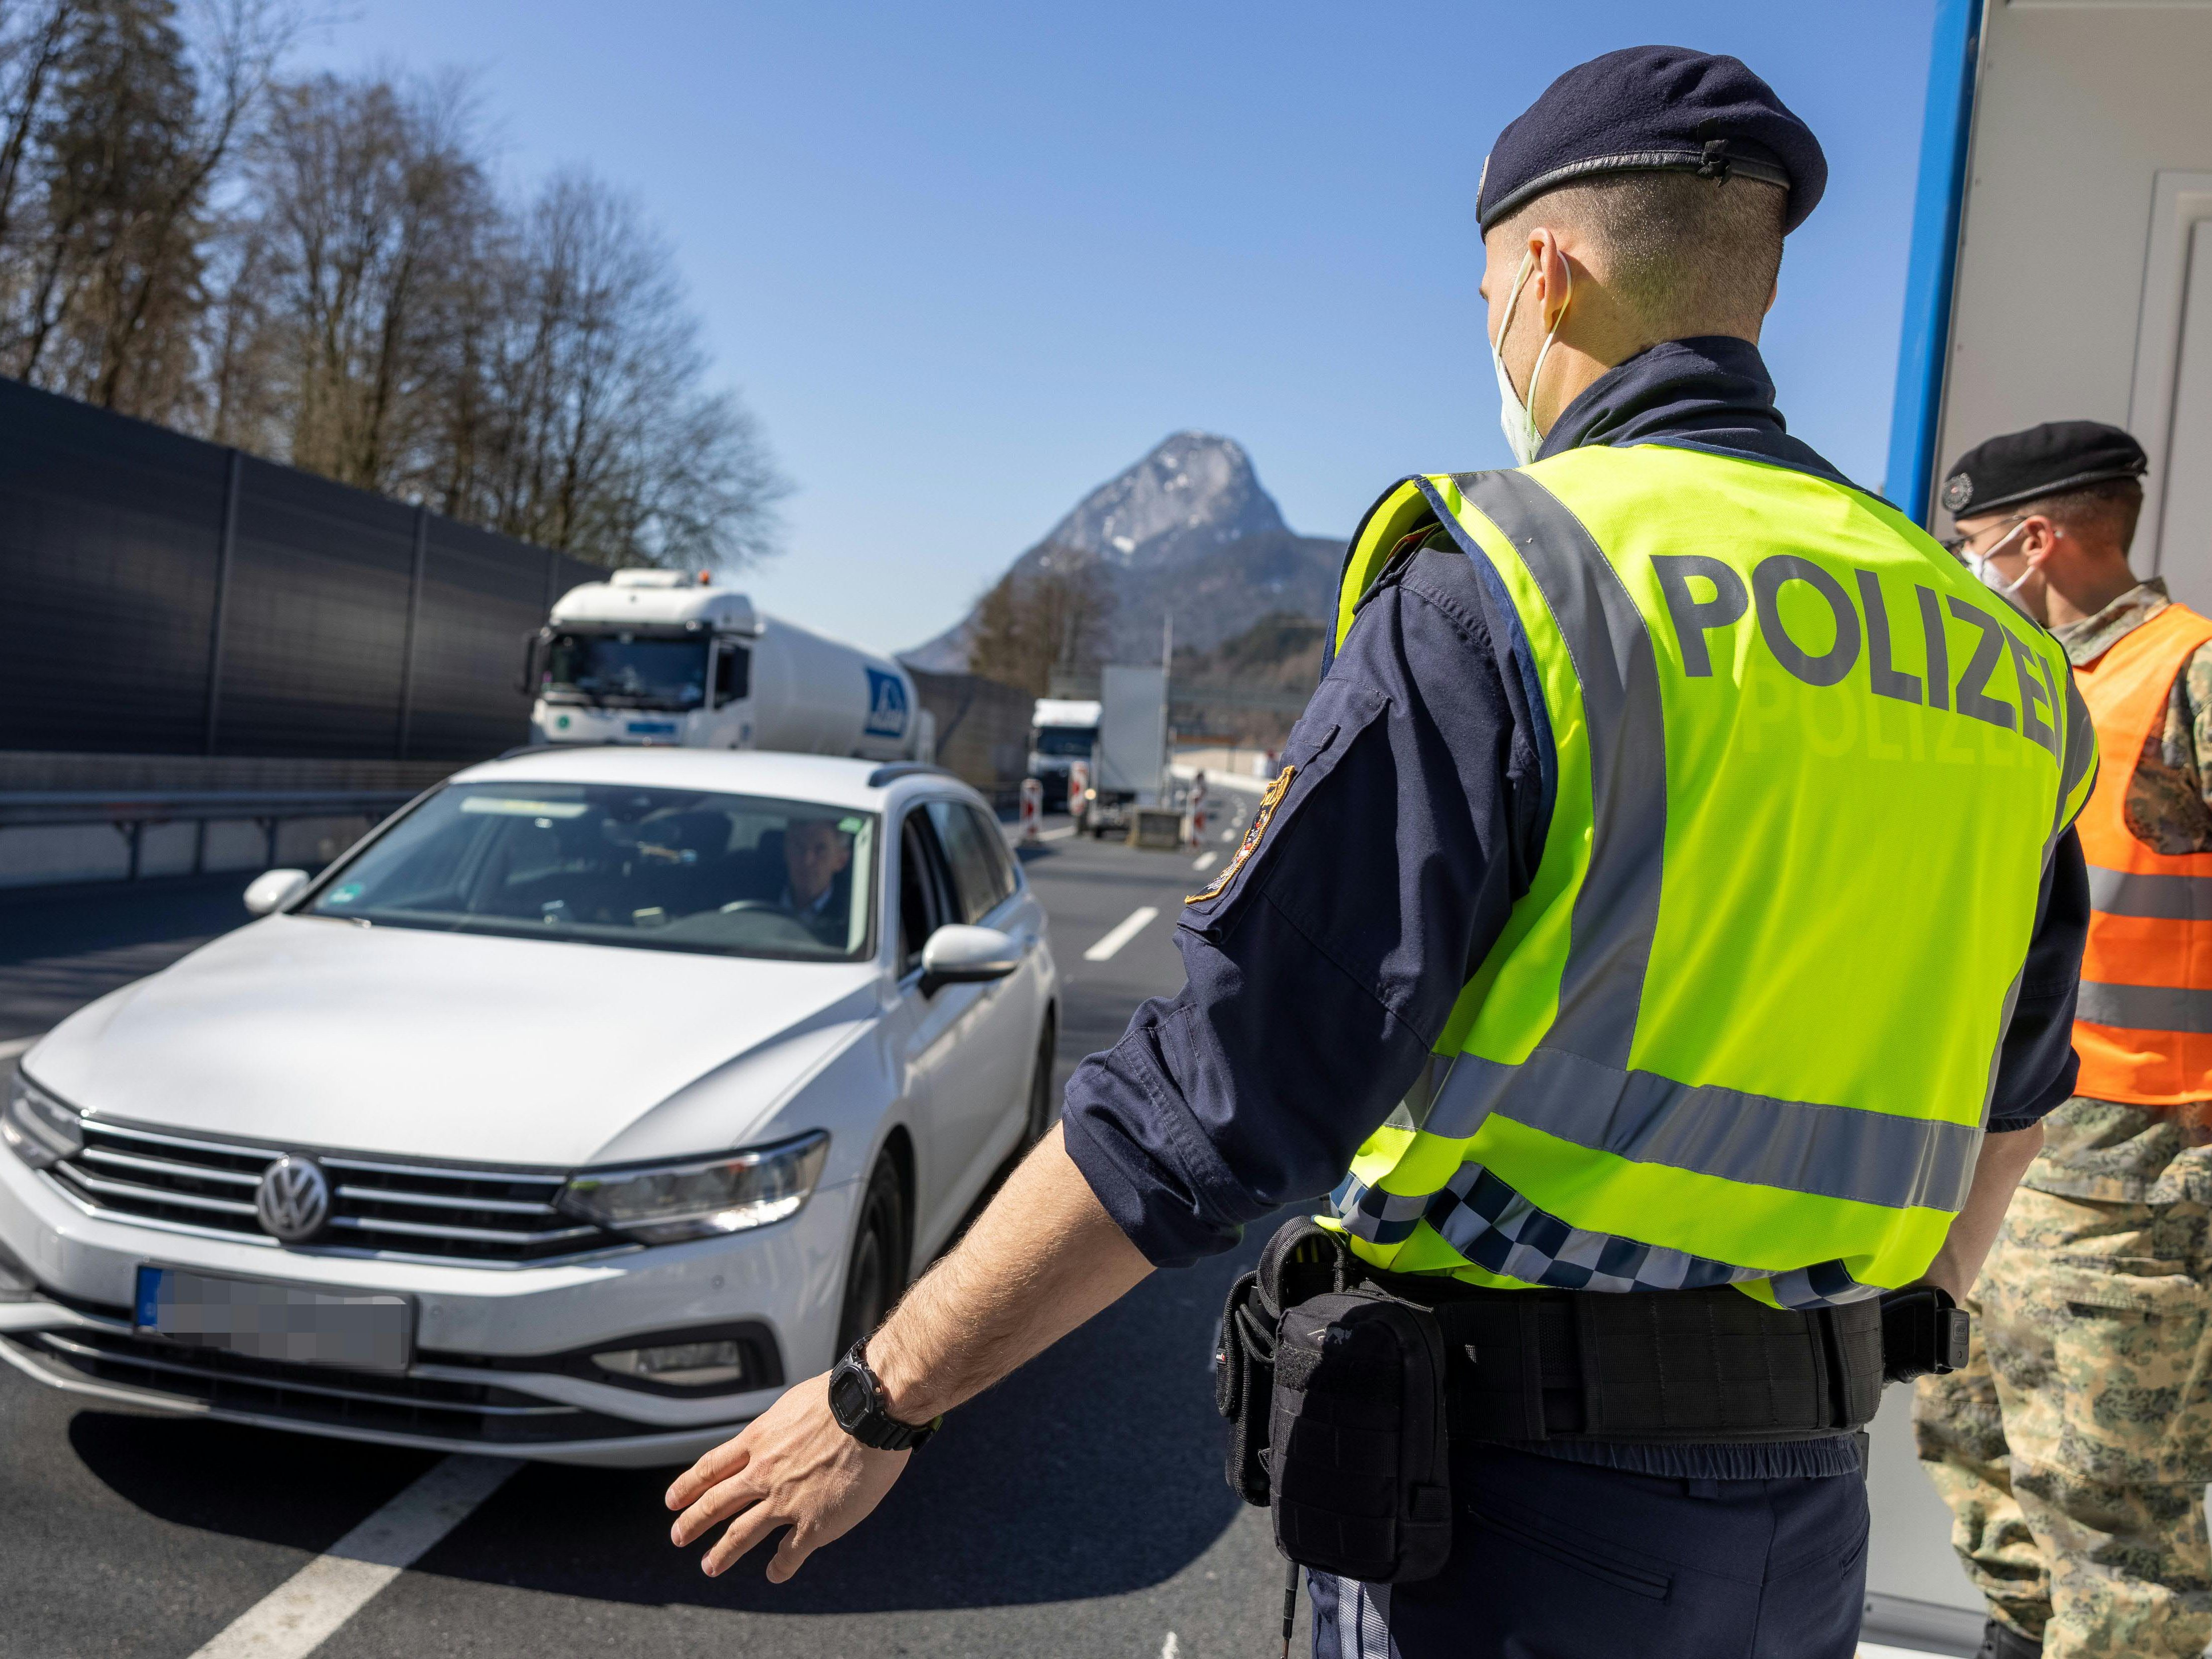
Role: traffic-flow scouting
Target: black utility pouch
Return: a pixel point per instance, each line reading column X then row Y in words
column 1359, row 1455
column 1244, row 1381
column 1923, row 1334
column 1303, row 1258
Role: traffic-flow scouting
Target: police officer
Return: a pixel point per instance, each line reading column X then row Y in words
column 1669, row 884
column 2074, row 1450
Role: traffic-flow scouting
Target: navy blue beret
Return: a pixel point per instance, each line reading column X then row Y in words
column 1653, row 108
column 2044, row 460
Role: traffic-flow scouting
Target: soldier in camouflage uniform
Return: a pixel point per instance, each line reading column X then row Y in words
column 2076, row 1448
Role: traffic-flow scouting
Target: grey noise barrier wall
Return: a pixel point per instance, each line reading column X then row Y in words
column 160, row 595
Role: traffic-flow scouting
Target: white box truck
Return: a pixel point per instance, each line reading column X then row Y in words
column 1063, row 731
column 663, row 656
column 1128, row 765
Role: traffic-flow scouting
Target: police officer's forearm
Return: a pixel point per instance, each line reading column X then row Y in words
column 2004, row 1159
column 1041, row 1259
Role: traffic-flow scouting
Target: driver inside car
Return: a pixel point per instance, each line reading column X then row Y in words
column 815, row 853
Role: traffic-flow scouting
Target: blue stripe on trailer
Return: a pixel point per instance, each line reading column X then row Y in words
column 1937, row 198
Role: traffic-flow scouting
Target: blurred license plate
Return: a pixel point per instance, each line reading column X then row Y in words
column 366, row 1330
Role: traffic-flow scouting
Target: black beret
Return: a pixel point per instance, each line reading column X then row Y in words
column 1653, row 108
column 2044, row 460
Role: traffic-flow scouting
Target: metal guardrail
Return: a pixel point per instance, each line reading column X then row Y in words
column 130, row 812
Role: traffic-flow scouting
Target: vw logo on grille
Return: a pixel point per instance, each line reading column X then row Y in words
column 294, row 1200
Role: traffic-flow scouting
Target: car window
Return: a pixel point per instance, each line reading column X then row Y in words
column 659, row 869
column 919, row 907
column 975, row 867
column 1002, row 856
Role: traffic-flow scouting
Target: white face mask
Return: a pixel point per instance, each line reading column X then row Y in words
column 1992, row 578
column 1513, row 417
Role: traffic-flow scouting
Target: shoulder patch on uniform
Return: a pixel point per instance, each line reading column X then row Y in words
column 1261, row 819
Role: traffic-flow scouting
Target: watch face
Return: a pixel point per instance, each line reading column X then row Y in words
column 848, row 1396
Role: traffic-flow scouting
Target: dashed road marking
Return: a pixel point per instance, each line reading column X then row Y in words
column 1205, row 860
column 1168, row 1649
column 1128, row 929
column 307, row 1608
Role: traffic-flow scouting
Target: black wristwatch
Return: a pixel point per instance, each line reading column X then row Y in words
column 856, row 1400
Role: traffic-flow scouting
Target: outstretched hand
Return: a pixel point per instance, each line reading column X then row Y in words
column 1042, row 1257
column 791, row 1466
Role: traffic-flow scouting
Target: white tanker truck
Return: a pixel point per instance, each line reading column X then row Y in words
column 661, row 656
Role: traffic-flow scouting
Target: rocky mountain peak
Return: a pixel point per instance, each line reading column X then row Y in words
column 1193, row 493
column 1186, row 531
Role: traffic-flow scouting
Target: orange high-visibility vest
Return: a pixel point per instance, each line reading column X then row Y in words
column 2143, row 1027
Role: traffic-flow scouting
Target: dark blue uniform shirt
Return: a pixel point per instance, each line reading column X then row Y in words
column 1320, row 978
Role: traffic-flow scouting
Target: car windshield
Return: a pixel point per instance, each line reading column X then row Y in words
column 626, row 669
column 1072, row 742
column 658, row 869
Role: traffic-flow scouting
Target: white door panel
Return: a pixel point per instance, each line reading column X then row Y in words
column 938, row 1056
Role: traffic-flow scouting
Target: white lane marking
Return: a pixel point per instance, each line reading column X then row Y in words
column 307, row 1608
column 14, row 1046
column 1132, row 925
column 1205, row 860
column 1168, row 1649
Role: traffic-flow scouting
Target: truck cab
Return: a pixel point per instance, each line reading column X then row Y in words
column 1063, row 730
column 648, row 656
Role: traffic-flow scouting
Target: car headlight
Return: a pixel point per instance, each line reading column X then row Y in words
column 40, row 1128
column 700, row 1198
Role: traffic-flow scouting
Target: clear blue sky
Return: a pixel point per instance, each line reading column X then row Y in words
column 966, row 261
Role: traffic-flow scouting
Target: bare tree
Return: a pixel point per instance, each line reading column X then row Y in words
column 1044, row 618
column 125, row 123
column 321, row 271
column 596, row 432
column 32, row 42
column 373, row 218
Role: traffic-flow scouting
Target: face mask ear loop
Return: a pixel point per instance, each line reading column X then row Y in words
column 1529, row 403
column 1505, row 322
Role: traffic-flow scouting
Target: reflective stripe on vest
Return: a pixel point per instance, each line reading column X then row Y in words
column 1743, row 1026
column 2143, row 1025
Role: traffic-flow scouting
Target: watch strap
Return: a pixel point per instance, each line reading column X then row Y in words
column 873, row 1426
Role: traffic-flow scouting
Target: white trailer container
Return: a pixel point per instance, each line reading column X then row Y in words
column 659, row 657
column 2061, row 269
column 1133, row 733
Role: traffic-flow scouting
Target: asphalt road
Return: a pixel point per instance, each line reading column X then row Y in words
column 1077, row 1510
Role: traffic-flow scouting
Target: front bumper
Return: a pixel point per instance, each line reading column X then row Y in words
column 482, row 1332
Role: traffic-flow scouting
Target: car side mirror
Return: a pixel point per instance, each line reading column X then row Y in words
column 272, row 890
column 956, row 955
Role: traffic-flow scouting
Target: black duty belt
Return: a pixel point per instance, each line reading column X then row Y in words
column 1668, row 1365
column 1346, row 1388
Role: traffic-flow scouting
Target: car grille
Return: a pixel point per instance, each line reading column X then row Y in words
column 321, row 1395
column 488, row 1216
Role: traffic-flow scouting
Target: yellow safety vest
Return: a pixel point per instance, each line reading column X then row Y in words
column 1743, row 1027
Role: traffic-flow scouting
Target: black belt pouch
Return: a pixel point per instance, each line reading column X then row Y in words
column 1357, row 1455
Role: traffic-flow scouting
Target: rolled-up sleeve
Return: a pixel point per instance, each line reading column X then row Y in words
column 1321, row 970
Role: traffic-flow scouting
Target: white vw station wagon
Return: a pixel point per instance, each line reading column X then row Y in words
column 571, row 1115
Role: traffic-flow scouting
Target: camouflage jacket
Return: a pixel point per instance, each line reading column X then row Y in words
column 2104, row 1150
column 2169, row 803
